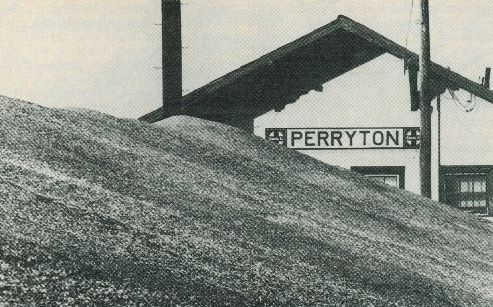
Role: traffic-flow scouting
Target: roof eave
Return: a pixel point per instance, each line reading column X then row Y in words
column 456, row 80
column 448, row 77
column 451, row 78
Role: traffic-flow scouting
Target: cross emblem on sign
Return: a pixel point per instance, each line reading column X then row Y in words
column 276, row 135
column 412, row 138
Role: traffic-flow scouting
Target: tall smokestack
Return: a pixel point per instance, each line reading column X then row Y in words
column 172, row 53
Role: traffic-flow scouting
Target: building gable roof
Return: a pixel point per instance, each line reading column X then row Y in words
column 280, row 77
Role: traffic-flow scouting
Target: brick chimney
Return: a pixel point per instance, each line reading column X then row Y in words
column 172, row 53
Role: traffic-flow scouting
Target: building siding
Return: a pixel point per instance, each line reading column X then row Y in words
column 376, row 94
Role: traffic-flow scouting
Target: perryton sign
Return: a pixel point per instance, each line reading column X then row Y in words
column 345, row 138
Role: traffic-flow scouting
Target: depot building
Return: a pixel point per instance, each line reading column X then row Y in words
column 348, row 96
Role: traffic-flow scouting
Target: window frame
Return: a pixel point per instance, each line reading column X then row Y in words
column 467, row 171
column 399, row 171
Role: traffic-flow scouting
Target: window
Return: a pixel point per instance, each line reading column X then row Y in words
column 391, row 175
column 467, row 188
column 467, row 191
column 392, row 180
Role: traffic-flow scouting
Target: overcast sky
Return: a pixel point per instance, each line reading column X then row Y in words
column 100, row 54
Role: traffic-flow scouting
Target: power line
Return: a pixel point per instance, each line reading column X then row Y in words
column 409, row 22
column 471, row 103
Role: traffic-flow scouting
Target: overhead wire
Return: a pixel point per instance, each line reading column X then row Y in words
column 408, row 32
column 466, row 107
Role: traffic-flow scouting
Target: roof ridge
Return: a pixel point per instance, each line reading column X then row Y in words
column 342, row 22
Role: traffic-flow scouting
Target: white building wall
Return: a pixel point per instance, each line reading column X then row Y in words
column 467, row 137
column 376, row 94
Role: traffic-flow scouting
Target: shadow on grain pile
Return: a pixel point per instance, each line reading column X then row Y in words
column 101, row 210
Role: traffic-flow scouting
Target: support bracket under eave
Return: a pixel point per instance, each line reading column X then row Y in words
column 437, row 86
column 413, row 87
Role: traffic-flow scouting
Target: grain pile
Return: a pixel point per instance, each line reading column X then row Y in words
column 108, row 211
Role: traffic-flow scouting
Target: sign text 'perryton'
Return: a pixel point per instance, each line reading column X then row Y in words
column 345, row 138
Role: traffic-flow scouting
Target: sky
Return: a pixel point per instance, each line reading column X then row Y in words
column 106, row 55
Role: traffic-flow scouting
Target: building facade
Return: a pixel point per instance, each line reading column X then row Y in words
column 347, row 96
column 362, row 121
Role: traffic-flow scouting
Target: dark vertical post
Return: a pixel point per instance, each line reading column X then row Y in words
column 439, row 146
column 487, row 74
column 413, row 87
column 489, row 189
column 425, row 102
column 172, row 53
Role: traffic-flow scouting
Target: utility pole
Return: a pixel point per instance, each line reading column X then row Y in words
column 425, row 102
column 172, row 53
